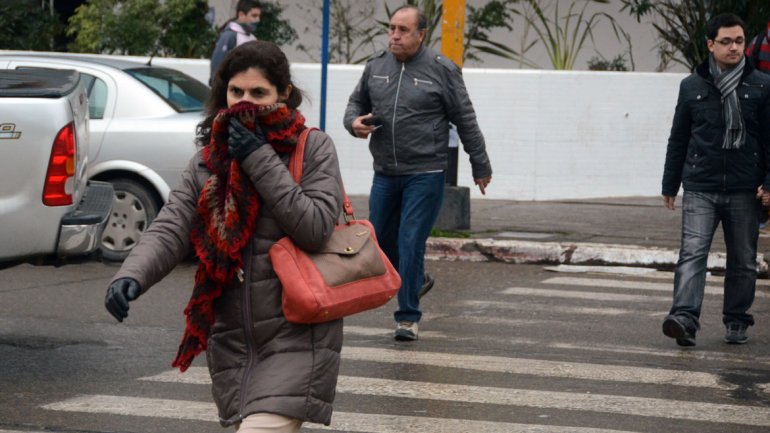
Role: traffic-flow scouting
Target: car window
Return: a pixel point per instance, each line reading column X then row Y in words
column 97, row 96
column 97, row 92
column 179, row 90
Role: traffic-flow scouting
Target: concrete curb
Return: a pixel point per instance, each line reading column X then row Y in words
column 528, row 252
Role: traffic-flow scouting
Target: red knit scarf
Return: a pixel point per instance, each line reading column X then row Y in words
column 228, row 208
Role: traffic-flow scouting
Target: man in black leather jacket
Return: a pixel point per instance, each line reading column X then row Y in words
column 405, row 100
column 718, row 150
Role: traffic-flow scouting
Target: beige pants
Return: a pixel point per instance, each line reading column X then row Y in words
column 268, row 423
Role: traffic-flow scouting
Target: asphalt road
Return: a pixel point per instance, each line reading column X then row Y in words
column 503, row 348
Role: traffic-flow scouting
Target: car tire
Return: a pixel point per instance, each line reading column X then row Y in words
column 133, row 209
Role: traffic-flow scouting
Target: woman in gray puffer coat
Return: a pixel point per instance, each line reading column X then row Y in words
column 234, row 201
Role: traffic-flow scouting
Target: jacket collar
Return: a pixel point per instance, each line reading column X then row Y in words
column 703, row 70
column 412, row 59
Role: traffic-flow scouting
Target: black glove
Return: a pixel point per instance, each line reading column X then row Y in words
column 242, row 142
column 119, row 294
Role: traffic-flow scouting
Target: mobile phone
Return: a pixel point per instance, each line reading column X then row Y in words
column 372, row 121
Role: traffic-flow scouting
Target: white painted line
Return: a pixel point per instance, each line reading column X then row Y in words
column 623, row 284
column 377, row 332
column 573, row 294
column 539, row 367
column 624, row 405
column 193, row 375
column 345, row 421
column 615, row 270
column 561, row 309
column 500, row 364
column 136, row 406
column 376, row 423
column 25, row 431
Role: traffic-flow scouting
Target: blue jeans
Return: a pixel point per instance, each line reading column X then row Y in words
column 402, row 210
column 701, row 213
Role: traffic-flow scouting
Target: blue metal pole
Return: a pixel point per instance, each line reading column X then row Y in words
column 324, row 63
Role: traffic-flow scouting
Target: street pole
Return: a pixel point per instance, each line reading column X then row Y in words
column 452, row 28
column 455, row 211
column 324, row 63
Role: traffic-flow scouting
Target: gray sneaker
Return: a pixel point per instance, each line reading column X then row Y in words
column 736, row 333
column 673, row 327
column 406, row 331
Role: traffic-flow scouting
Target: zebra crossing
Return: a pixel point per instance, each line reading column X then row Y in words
column 557, row 374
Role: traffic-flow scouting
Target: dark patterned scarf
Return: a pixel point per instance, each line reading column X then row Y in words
column 228, row 208
column 727, row 82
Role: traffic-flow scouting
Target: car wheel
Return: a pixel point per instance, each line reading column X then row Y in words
column 133, row 209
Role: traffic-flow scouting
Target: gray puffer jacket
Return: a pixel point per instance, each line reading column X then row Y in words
column 415, row 101
column 258, row 361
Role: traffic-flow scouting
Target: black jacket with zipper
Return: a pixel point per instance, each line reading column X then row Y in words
column 695, row 157
column 415, row 101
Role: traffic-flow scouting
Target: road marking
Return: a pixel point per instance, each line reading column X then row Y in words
column 614, row 404
column 573, row 294
column 500, row 364
column 626, row 284
column 346, row 421
column 640, row 272
column 674, row 352
column 377, row 332
column 561, row 309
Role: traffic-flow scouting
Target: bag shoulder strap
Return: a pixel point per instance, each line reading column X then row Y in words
column 296, row 162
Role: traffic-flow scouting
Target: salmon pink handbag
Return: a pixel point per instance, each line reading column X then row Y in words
column 350, row 273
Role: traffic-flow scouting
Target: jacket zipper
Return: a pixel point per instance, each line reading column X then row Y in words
column 243, row 276
column 382, row 77
column 418, row 81
column 724, row 170
column 393, row 123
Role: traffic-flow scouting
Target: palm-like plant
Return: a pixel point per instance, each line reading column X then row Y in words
column 564, row 37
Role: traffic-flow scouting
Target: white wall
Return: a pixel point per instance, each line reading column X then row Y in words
column 550, row 135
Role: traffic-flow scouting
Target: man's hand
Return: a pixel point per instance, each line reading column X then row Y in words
column 361, row 129
column 766, row 198
column 482, row 183
column 120, row 292
column 668, row 201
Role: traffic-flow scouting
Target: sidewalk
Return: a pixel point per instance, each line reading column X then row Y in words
column 627, row 231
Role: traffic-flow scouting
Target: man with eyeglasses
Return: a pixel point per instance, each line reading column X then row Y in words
column 719, row 142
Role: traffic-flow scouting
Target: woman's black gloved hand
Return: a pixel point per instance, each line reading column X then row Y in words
column 120, row 292
column 242, row 141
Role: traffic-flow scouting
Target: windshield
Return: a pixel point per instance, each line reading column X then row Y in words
column 179, row 90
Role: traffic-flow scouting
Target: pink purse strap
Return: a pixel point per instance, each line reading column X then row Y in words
column 296, row 163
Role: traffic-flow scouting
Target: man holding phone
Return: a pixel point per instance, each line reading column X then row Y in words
column 404, row 103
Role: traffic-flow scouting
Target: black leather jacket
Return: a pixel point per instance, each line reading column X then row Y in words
column 415, row 101
column 695, row 157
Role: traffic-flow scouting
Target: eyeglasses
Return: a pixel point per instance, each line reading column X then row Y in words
column 727, row 42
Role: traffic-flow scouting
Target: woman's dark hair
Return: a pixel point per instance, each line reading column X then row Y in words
column 262, row 55
column 723, row 20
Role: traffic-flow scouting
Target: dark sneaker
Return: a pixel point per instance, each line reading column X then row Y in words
column 736, row 333
column 674, row 328
column 427, row 284
column 406, row 331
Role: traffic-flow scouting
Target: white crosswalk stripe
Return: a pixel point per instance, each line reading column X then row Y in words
column 499, row 364
column 615, row 376
column 573, row 294
column 626, row 284
column 355, row 422
column 615, row 404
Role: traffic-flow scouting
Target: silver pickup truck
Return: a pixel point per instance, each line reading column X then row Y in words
column 48, row 209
